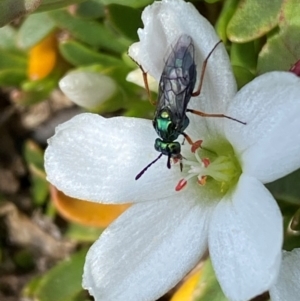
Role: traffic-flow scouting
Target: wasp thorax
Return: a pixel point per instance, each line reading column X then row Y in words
column 165, row 127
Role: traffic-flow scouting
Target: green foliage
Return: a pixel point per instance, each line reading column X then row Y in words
column 126, row 20
column 286, row 191
column 34, row 29
column 91, row 32
column 98, row 32
column 10, row 60
column 253, row 19
column 12, row 76
column 8, row 38
column 47, row 5
column 287, row 188
column 92, row 9
column 82, row 233
column 225, row 16
column 130, row 3
column 263, row 36
column 13, row 63
column 209, row 286
column 37, row 90
column 34, row 157
column 282, row 49
column 243, row 75
column 61, row 283
column 243, row 59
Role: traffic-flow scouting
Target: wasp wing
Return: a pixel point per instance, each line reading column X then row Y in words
column 178, row 79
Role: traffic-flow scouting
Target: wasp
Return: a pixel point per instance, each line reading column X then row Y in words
column 176, row 87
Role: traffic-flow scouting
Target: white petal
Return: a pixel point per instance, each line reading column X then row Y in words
column 97, row 159
column 164, row 22
column 88, row 89
column 269, row 145
column 245, row 239
column 287, row 287
column 136, row 77
column 147, row 251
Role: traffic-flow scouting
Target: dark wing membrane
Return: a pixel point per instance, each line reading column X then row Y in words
column 178, row 79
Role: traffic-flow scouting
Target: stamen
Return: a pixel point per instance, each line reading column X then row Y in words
column 206, row 162
column 181, row 184
column 195, row 171
column 196, row 145
column 202, row 180
column 223, row 169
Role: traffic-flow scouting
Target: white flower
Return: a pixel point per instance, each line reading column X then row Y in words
column 88, row 89
column 287, row 286
column 159, row 239
column 136, row 77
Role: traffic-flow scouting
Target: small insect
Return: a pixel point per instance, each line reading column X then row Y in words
column 176, row 88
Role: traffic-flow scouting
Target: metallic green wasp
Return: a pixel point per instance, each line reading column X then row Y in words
column 176, row 88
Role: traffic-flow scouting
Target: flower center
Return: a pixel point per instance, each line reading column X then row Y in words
column 224, row 169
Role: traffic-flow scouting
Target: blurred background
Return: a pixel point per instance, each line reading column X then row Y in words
column 44, row 235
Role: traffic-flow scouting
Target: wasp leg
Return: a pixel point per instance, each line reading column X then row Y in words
column 145, row 79
column 214, row 115
column 194, row 145
column 198, row 91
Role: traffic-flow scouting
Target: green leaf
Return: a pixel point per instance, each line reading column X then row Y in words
column 87, row 31
column 91, row 9
column 31, row 286
column 244, row 55
column 131, row 3
column 34, row 155
column 243, row 76
column 47, row 5
column 35, row 160
column 8, row 37
column 39, row 188
column 10, row 60
column 34, row 29
column 61, row 283
column 139, row 108
column 208, row 286
column 287, row 188
column 81, row 233
column 36, row 91
column 126, row 20
column 46, row 84
column 9, row 10
column 13, row 63
column 253, row 19
column 12, row 77
column 80, row 55
column 281, row 51
column 290, row 13
column 225, row 16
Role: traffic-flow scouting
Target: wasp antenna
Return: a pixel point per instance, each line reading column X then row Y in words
column 142, row 172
